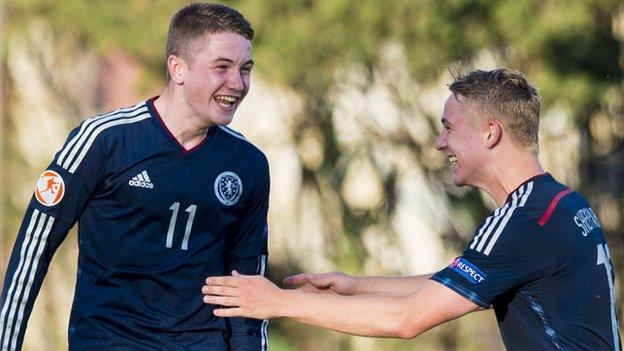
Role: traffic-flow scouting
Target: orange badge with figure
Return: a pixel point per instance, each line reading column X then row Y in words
column 50, row 188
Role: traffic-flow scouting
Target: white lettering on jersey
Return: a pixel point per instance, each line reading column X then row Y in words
column 141, row 180
column 587, row 220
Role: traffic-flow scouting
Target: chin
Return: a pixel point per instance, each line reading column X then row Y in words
column 222, row 120
column 223, row 123
column 458, row 181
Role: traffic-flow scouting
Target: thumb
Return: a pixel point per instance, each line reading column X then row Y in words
column 296, row 279
column 235, row 274
column 321, row 280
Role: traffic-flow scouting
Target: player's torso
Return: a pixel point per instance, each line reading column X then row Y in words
column 156, row 226
column 572, row 305
column 158, row 207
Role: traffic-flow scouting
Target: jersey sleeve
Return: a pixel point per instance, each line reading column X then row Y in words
column 60, row 195
column 496, row 262
column 248, row 251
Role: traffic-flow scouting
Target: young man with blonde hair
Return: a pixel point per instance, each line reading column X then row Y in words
column 166, row 195
column 539, row 260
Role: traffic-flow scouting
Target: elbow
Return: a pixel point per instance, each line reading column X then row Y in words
column 408, row 333
column 404, row 328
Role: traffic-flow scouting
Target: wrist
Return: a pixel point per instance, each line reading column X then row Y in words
column 286, row 303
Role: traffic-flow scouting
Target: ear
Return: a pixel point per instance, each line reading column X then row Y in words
column 176, row 67
column 493, row 134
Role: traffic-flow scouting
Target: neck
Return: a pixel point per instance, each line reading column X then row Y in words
column 507, row 173
column 179, row 119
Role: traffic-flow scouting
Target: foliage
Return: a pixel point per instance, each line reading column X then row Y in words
column 568, row 48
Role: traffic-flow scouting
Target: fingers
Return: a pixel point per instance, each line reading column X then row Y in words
column 222, row 300
column 243, row 295
column 305, row 278
column 308, row 288
column 323, row 281
column 219, row 290
column 230, row 312
column 296, row 279
column 232, row 280
column 320, row 281
column 223, row 281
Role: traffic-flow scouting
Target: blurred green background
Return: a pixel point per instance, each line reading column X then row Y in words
column 346, row 99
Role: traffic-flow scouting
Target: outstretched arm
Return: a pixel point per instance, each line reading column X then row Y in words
column 61, row 194
column 345, row 284
column 366, row 315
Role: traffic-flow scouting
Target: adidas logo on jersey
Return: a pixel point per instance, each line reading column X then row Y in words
column 141, row 180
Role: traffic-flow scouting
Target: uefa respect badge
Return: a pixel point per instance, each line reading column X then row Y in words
column 50, row 188
column 468, row 270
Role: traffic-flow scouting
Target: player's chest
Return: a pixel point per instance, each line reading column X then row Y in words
column 172, row 182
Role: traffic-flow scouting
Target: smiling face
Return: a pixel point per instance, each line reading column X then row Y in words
column 216, row 78
column 462, row 141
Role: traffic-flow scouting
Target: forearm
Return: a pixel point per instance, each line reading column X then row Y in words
column 391, row 285
column 366, row 315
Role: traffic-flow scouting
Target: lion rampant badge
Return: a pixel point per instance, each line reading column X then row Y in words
column 228, row 188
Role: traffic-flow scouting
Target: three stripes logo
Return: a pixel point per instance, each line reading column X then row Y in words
column 12, row 320
column 74, row 152
column 141, row 180
column 495, row 224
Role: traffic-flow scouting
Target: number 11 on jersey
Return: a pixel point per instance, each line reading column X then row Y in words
column 605, row 258
column 172, row 222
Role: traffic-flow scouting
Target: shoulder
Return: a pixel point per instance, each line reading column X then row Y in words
column 515, row 224
column 508, row 228
column 95, row 126
column 88, row 134
column 238, row 140
column 120, row 117
column 538, row 220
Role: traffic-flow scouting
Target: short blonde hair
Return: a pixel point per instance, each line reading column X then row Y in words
column 507, row 95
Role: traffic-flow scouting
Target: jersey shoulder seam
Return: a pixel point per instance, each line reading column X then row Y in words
column 74, row 151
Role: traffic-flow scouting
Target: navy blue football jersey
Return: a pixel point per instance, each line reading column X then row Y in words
column 541, row 261
column 154, row 221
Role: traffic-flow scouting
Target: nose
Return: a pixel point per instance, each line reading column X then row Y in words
column 236, row 81
column 440, row 143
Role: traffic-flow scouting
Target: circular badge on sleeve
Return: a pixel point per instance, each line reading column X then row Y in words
column 50, row 188
column 228, row 188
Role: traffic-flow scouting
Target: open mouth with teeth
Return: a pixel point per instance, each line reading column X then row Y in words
column 226, row 100
column 452, row 160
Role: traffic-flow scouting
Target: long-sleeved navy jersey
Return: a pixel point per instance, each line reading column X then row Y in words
column 154, row 221
column 542, row 262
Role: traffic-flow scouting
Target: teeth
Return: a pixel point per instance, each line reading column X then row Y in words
column 452, row 159
column 226, row 99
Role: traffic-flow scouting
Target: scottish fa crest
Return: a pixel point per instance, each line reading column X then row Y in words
column 228, row 188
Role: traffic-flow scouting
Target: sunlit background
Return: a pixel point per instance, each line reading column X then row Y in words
column 345, row 101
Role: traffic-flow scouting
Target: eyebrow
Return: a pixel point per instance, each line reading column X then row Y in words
column 250, row 62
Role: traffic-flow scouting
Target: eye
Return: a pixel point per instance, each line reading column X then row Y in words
column 246, row 69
